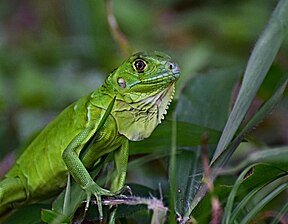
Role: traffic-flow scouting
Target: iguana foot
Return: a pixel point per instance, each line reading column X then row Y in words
column 124, row 189
column 98, row 192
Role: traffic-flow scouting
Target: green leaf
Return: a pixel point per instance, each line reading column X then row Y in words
column 225, row 156
column 78, row 197
column 199, row 104
column 255, row 72
column 69, row 200
column 258, row 65
column 254, row 179
column 263, row 202
column 53, row 217
column 256, row 119
column 160, row 141
column 282, row 212
column 205, row 100
column 274, row 156
column 29, row 214
column 229, row 206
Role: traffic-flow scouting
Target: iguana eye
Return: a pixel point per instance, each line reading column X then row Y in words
column 121, row 83
column 139, row 65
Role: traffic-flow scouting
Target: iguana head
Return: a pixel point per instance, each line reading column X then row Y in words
column 144, row 85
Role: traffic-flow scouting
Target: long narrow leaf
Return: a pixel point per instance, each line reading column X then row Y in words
column 250, row 195
column 273, row 155
column 263, row 202
column 244, row 202
column 264, row 110
column 199, row 104
column 258, row 65
column 259, row 116
column 284, row 210
column 250, row 185
column 229, row 206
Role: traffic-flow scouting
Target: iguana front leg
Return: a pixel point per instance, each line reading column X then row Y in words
column 120, row 164
column 80, row 173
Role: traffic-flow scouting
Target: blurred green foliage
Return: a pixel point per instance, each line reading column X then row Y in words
column 53, row 52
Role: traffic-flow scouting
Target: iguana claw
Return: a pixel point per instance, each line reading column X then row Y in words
column 97, row 191
column 124, row 189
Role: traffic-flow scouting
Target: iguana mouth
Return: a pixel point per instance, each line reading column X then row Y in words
column 163, row 77
column 172, row 74
column 159, row 80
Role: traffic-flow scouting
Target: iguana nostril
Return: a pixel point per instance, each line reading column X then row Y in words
column 174, row 67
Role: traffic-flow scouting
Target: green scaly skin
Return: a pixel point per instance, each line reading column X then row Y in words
column 128, row 106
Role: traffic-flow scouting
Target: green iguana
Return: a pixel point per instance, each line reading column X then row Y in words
column 128, row 106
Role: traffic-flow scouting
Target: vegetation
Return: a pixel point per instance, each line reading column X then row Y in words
column 220, row 156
